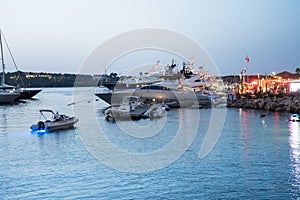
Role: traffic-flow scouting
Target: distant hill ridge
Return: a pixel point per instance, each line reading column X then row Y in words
column 44, row 79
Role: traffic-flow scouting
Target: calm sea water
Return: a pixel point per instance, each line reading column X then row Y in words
column 254, row 158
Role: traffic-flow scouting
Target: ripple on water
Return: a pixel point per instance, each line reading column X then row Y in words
column 251, row 160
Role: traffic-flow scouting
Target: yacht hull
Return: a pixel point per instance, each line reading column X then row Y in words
column 169, row 97
column 28, row 93
column 8, row 97
column 56, row 125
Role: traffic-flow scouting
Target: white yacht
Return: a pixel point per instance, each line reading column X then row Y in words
column 163, row 92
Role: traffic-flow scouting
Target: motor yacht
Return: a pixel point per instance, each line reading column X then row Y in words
column 163, row 92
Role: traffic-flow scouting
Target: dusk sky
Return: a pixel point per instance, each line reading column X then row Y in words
column 58, row 35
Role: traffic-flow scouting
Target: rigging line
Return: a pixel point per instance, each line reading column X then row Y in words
column 13, row 60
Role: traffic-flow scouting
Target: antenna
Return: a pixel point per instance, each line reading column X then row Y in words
column 157, row 65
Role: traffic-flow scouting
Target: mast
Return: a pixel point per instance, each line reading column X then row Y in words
column 13, row 60
column 2, row 59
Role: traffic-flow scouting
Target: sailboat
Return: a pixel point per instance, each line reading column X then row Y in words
column 8, row 94
column 7, row 97
column 24, row 93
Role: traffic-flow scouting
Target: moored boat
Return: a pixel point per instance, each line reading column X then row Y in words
column 8, row 94
column 196, row 89
column 156, row 111
column 24, row 93
column 133, row 108
column 7, row 97
column 166, row 93
column 129, row 108
column 115, row 82
column 295, row 118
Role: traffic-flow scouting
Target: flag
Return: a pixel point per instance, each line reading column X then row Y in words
column 247, row 59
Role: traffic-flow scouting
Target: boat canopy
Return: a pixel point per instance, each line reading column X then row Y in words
column 46, row 110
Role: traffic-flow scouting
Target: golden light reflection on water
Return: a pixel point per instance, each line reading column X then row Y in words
column 294, row 140
column 245, row 137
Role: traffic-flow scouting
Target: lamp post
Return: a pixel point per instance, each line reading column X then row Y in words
column 243, row 81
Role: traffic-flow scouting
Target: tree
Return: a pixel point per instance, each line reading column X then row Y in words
column 297, row 70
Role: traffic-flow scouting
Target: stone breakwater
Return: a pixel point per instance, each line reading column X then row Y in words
column 287, row 103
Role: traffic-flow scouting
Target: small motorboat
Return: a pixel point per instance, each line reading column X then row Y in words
column 130, row 108
column 133, row 108
column 156, row 111
column 57, row 122
column 295, row 118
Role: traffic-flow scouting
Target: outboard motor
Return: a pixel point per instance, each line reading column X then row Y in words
column 41, row 125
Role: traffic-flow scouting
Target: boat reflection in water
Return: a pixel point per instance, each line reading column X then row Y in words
column 294, row 140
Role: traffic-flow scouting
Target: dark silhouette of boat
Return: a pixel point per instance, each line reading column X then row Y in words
column 8, row 94
column 26, row 93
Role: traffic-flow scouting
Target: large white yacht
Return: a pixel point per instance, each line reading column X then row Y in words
column 163, row 92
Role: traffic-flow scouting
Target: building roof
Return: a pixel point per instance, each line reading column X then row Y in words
column 286, row 74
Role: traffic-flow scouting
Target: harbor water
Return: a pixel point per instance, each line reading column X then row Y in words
column 254, row 158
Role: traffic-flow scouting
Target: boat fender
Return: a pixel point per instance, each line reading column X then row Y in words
column 108, row 111
column 110, row 118
column 41, row 125
column 165, row 107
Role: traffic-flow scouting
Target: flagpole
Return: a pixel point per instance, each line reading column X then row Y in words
column 247, row 59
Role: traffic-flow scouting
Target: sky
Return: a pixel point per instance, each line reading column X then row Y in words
column 59, row 35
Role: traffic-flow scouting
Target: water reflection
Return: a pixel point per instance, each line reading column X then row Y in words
column 277, row 124
column 3, row 124
column 294, row 140
column 243, row 117
column 244, row 123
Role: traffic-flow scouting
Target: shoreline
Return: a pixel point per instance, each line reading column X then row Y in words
column 278, row 103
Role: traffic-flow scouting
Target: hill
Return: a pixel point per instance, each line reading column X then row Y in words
column 31, row 79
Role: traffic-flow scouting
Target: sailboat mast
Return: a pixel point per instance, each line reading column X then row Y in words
column 2, row 59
